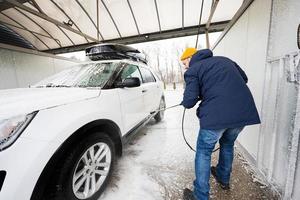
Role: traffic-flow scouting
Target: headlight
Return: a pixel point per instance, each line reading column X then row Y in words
column 11, row 129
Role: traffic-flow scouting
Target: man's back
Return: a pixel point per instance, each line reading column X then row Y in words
column 221, row 85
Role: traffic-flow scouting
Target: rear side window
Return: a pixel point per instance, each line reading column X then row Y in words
column 147, row 75
column 130, row 71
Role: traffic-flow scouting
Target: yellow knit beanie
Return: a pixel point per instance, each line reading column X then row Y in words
column 189, row 52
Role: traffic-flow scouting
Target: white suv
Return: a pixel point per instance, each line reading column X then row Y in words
column 59, row 138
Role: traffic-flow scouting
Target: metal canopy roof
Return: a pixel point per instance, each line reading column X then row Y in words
column 59, row 26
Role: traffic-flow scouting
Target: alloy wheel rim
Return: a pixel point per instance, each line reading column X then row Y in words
column 91, row 170
column 162, row 106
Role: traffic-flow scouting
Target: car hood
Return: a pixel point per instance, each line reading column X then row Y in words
column 14, row 102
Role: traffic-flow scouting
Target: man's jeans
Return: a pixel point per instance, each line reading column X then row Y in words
column 205, row 145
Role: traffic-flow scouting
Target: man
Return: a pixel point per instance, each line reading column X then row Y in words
column 226, row 107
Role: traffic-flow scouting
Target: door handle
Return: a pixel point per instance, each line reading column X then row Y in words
column 143, row 91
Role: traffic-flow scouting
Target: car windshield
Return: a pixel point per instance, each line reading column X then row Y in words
column 84, row 75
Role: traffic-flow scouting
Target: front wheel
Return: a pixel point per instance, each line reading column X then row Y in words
column 160, row 115
column 86, row 169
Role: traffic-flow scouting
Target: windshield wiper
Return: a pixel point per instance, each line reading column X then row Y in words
column 58, row 85
column 62, row 86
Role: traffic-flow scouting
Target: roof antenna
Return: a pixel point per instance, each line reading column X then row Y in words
column 199, row 24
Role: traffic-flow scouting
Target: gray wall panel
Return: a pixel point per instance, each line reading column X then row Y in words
column 19, row 69
column 263, row 41
column 7, row 70
column 246, row 43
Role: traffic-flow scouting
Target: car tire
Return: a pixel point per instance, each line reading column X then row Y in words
column 160, row 115
column 70, row 174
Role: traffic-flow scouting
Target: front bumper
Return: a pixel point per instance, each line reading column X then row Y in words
column 23, row 163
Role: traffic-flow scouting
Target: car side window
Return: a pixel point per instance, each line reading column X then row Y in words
column 147, row 75
column 130, row 71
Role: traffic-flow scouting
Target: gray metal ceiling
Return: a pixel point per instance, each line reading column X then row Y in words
column 59, row 26
column 8, row 36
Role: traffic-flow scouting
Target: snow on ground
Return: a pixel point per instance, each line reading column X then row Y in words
column 151, row 159
column 158, row 165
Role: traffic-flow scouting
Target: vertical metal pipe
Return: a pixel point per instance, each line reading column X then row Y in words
column 97, row 19
column 212, row 12
column 157, row 14
column 293, row 155
column 200, row 17
column 133, row 16
column 182, row 14
column 278, row 94
column 207, row 39
column 207, row 26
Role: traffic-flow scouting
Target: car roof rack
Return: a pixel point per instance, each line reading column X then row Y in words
column 114, row 51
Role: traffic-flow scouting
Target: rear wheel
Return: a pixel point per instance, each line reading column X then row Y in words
column 160, row 115
column 86, row 169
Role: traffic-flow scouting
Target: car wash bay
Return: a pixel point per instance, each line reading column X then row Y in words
column 260, row 35
column 157, row 164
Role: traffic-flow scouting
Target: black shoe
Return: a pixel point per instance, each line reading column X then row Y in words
column 188, row 194
column 224, row 186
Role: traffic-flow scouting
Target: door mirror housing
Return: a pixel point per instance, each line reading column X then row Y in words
column 129, row 82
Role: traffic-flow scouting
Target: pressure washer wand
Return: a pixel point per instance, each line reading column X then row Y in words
column 169, row 107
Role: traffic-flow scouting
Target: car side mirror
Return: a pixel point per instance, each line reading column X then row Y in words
column 129, row 82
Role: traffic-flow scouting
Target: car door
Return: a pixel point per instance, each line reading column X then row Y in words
column 151, row 91
column 131, row 99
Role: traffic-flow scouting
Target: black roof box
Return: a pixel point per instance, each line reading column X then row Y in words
column 114, row 51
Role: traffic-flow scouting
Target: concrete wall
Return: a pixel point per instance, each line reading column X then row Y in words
column 283, row 32
column 263, row 42
column 20, row 67
column 285, row 168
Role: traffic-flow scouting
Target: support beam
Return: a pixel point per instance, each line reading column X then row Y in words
column 207, row 39
column 36, row 5
column 5, row 5
column 187, row 31
column 40, row 26
column 133, row 16
column 64, row 12
column 182, row 13
column 212, row 12
column 19, row 34
column 111, row 17
column 45, row 17
column 65, row 34
column 88, row 15
column 235, row 18
column 21, row 26
column 24, row 28
column 39, row 53
column 157, row 14
column 200, row 18
column 97, row 10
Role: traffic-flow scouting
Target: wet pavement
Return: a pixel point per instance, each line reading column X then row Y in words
column 157, row 164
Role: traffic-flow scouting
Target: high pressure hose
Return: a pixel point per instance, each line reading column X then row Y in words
column 183, row 134
column 182, row 127
column 182, row 130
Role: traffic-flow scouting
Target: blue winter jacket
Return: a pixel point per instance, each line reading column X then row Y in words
column 220, row 84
